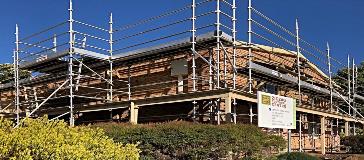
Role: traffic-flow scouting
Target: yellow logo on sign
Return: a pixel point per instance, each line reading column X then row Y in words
column 265, row 99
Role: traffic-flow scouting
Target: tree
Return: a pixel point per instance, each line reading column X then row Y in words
column 7, row 73
column 341, row 79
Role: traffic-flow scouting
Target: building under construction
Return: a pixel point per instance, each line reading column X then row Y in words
column 185, row 64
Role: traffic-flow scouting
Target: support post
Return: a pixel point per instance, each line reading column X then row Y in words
column 354, row 128
column 323, row 135
column 298, row 63
column 194, row 110
column 193, row 42
column 218, row 108
column 337, row 126
column 228, row 103
column 250, row 56
column 111, row 42
column 218, row 43
column 330, row 75
column 251, row 113
column 70, row 63
column 235, row 112
column 347, row 125
column 289, row 141
column 133, row 113
column 16, row 69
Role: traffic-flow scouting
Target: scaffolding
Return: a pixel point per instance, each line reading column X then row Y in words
column 276, row 35
column 73, row 52
column 78, row 61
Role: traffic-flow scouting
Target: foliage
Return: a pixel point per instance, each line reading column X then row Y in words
column 355, row 143
column 341, row 79
column 7, row 73
column 183, row 140
column 43, row 139
column 296, row 156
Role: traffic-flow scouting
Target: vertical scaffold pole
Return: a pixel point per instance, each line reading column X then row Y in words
column 54, row 43
column 218, row 43
column 111, row 42
column 210, row 70
column 129, row 82
column 193, row 42
column 356, row 82
column 349, row 85
column 235, row 112
column 225, row 68
column 234, row 42
column 250, row 46
column 15, row 79
column 234, row 55
column 251, row 113
column 16, row 69
column 300, row 132
column 330, row 74
column 298, row 63
column 70, row 64
column 353, row 89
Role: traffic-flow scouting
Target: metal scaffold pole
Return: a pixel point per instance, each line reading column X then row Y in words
column 300, row 132
column 110, row 57
column 356, row 82
column 234, row 42
column 234, row 55
column 54, row 43
column 298, row 63
column 251, row 113
column 218, row 43
column 349, row 85
column 16, row 69
column 210, row 70
column 129, row 82
column 250, row 46
column 330, row 75
column 353, row 89
column 299, row 89
column 70, row 64
column 193, row 42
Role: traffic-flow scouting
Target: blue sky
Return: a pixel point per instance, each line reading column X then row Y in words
column 320, row 20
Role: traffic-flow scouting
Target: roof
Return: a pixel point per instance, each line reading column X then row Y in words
column 286, row 52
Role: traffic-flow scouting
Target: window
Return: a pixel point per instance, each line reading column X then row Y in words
column 270, row 88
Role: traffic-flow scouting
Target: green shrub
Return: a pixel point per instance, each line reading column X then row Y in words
column 296, row 156
column 355, row 144
column 43, row 139
column 183, row 140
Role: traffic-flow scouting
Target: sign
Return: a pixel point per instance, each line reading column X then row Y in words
column 276, row 111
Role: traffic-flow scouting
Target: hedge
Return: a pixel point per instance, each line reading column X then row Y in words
column 184, row 140
column 44, row 139
column 355, row 144
column 296, row 156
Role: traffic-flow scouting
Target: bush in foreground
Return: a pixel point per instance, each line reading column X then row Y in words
column 43, row 139
column 296, row 156
column 355, row 144
column 182, row 140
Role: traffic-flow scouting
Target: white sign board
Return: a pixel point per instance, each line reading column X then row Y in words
column 276, row 111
